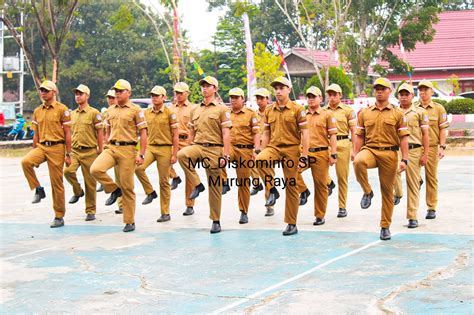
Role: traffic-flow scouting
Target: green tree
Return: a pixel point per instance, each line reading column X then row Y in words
column 266, row 66
column 336, row 75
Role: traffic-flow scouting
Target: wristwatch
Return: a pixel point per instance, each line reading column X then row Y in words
column 334, row 156
column 405, row 161
column 443, row 146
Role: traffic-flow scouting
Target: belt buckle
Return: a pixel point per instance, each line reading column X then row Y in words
column 47, row 143
column 205, row 144
column 117, row 143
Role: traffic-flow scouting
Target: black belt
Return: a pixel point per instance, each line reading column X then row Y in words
column 413, row 146
column 50, row 143
column 243, row 146
column 317, row 149
column 342, row 137
column 285, row 145
column 183, row 137
column 119, row 143
column 161, row 145
column 393, row 148
column 84, row 148
column 210, row 144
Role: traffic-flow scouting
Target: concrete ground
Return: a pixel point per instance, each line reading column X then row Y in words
column 178, row 267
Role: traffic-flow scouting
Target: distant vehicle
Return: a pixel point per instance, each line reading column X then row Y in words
column 467, row 94
column 146, row 102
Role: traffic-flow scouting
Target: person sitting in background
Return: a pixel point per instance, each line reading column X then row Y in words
column 17, row 131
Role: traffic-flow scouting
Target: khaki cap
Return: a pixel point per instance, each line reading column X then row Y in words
column 48, row 85
column 158, row 90
column 314, row 90
column 83, row 88
column 425, row 83
column 383, row 82
column 281, row 80
column 209, row 80
column 262, row 92
column 334, row 87
column 181, row 87
column 110, row 93
column 406, row 87
column 122, row 85
column 237, row 92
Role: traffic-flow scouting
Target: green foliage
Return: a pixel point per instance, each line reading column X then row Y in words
column 440, row 101
column 337, row 76
column 122, row 19
column 266, row 66
column 460, row 106
column 195, row 96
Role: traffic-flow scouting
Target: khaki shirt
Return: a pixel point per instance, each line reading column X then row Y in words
column 183, row 112
column 438, row 120
column 244, row 126
column 160, row 123
column 417, row 118
column 207, row 122
column 125, row 122
column 321, row 125
column 48, row 121
column 382, row 128
column 260, row 120
column 285, row 125
column 345, row 117
column 84, row 123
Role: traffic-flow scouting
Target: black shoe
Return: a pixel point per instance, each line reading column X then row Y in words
column 319, row 221
column 256, row 189
column 90, row 217
column 291, row 229
column 188, row 211
column 216, row 227
column 196, row 191
column 100, row 189
column 366, row 200
column 243, row 218
column 431, row 214
column 342, row 213
column 270, row 212
column 385, row 234
column 164, row 218
column 304, row 197
column 396, row 200
column 412, row 224
column 175, row 182
column 129, row 227
column 119, row 211
column 75, row 199
column 331, row 186
column 113, row 197
column 39, row 194
column 225, row 189
column 272, row 198
column 149, row 198
column 57, row 222
column 421, row 183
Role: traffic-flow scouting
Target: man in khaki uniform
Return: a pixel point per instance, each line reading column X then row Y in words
column 162, row 148
column 182, row 107
column 245, row 142
column 346, row 122
column 418, row 147
column 285, row 128
column 125, row 121
column 381, row 132
column 438, row 123
column 87, row 142
column 322, row 151
column 209, row 132
column 51, row 143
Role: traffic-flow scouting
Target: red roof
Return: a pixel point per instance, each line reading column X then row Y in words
column 322, row 57
column 452, row 46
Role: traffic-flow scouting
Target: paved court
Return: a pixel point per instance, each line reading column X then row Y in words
column 178, row 267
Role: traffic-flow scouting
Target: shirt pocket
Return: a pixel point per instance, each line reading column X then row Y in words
column 433, row 121
column 84, row 124
column 369, row 126
column 414, row 123
column 389, row 125
column 289, row 118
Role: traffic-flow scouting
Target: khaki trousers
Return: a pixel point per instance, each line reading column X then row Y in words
column 290, row 171
column 210, row 156
column 162, row 156
column 342, row 170
column 431, row 178
column 83, row 158
column 123, row 157
column 413, row 182
column 386, row 162
column 54, row 157
column 188, row 187
column 319, row 172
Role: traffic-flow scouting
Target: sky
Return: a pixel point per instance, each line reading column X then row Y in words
column 197, row 21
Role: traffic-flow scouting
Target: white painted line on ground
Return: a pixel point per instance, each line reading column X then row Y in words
column 30, row 253
column 292, row 279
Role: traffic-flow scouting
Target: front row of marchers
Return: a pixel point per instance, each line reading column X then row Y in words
column 215, row 137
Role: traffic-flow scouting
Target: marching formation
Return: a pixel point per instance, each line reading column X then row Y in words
column 212, row 136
